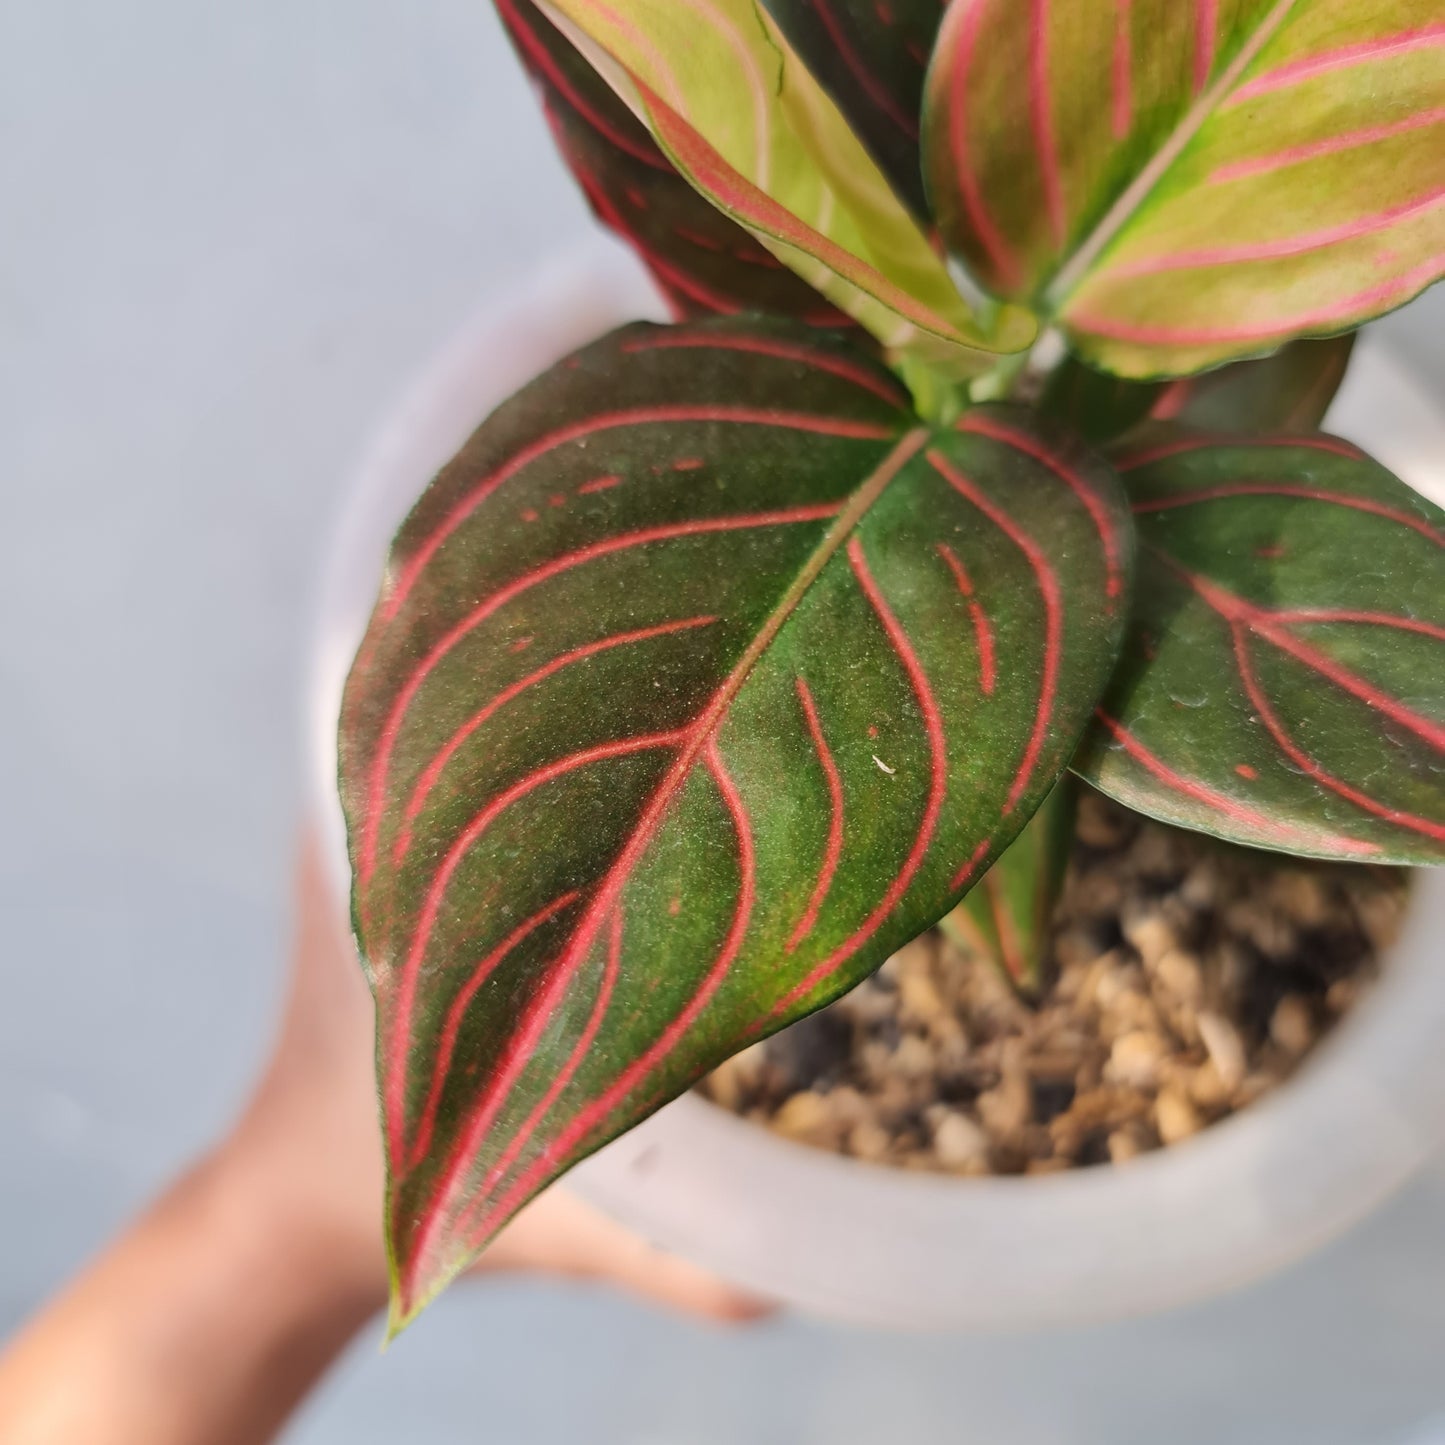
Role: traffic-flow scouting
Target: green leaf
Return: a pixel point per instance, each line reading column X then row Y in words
column 1283, row 683
column 871, row 58
column 1006, row 921
column 1289, row 391
column 1099, row 407
column 706, row 264
column 700, row 681
column 1180, row 184
column 740, row 116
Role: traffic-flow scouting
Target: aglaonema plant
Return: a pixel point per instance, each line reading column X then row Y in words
column 728, row 656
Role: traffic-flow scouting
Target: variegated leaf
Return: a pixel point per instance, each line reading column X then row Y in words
column 706, row 264
column 1284, row 680
column 1006, row 920
column 1289, row 391
column 1181, row 182
column 700, row 681
column 741, row 117
column 871, row 56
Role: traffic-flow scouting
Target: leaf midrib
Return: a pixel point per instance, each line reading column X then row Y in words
column 1067, row 279
column 1239, row 611
column 854, row 510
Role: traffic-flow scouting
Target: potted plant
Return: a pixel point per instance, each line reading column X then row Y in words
column 726, row 658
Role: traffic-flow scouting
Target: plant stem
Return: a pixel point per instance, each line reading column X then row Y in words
column 998, row 384
column 937, row 399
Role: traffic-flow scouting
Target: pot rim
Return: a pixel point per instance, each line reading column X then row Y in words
column 880, row 1245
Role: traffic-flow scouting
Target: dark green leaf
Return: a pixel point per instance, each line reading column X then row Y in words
column 1288, row 392
column 1097, row 406
column 701, row 680
column 1284, row 680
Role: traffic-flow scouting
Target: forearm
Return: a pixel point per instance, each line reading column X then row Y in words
column 211, row 1318
column 204, row 1324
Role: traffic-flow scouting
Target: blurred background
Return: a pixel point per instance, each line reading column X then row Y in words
column 229, row 237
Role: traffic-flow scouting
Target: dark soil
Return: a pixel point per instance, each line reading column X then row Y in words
column 1188, row 978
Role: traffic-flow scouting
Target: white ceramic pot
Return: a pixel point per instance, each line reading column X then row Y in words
column 883, row 1246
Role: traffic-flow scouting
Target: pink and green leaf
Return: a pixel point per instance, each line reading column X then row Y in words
column 1180, row 184
column 706, row 264
column 871, row 57
column 700, row 681
column 739, row 115
column 1006, row 920
column 1283, row 684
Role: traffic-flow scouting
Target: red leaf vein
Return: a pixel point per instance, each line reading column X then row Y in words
column 1049, row 591
column 937, row 787
column 982, row 630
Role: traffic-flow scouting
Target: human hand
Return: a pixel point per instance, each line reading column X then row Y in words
column 212, row 1316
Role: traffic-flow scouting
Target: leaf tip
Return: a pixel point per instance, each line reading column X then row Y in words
column 419, row 1275
column 409, row 1297
column 399, row 1310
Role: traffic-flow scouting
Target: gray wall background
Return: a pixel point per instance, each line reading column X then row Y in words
column 229, row 235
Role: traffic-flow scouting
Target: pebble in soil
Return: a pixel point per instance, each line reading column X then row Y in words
column 1187, row 979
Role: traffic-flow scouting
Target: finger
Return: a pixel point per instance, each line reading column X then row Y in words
column 560, row 1234
column 679, row 1284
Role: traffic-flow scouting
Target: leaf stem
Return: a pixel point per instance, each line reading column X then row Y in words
column 937, row 399
column 998, row 383
column 963, row 933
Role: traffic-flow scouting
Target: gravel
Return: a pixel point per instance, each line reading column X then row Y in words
column 1187, row 979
